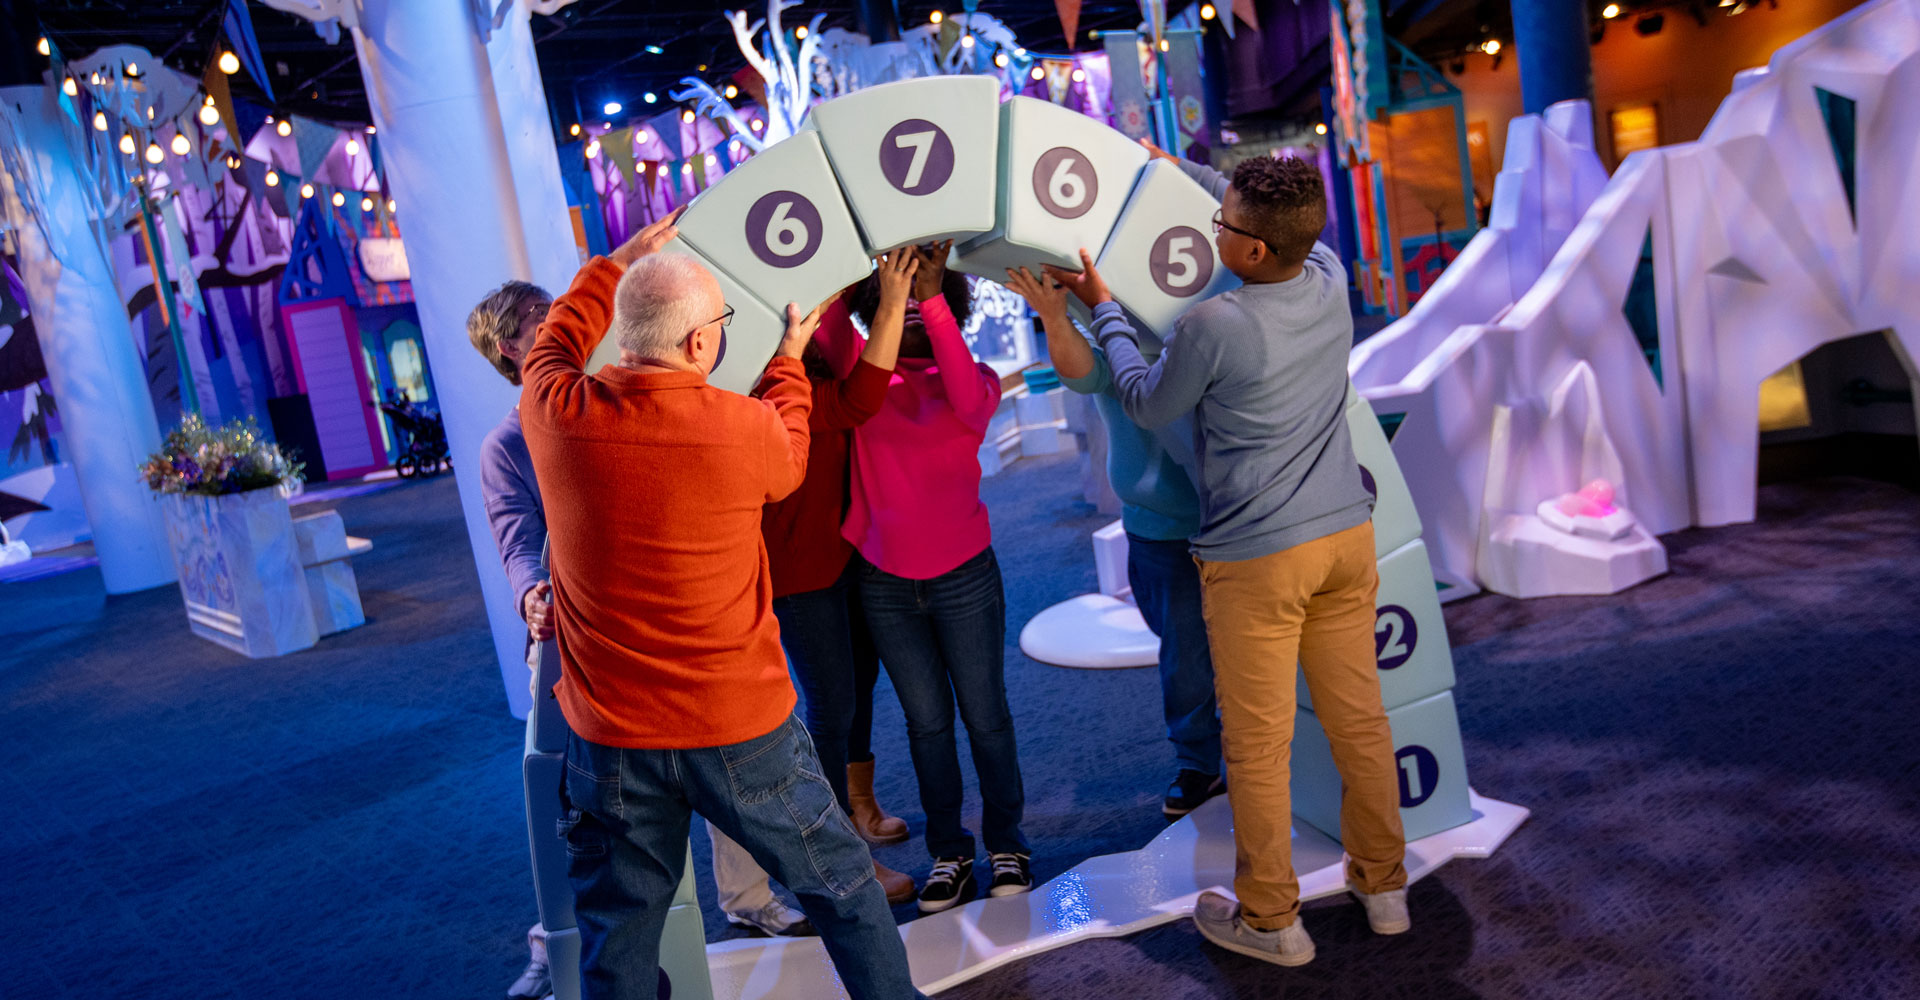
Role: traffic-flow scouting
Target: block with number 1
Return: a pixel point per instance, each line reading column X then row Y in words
column 917, row 159
column 745, row 344
column 1064, row 178
column 1160, row 258
column 778, row 225
column 1427, row 756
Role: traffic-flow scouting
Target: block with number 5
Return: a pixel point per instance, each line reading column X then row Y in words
column 778, row 225
column 916, row 159
column 1064, row 178
column 746, row 343
column 1395, row 521
column 1160, row 258
column 1427, row 757
column 1411, row 652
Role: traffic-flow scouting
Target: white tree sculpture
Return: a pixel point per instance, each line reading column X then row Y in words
column 789, row 90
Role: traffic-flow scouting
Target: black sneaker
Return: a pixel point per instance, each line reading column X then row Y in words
column 1189, row 791
column 1010, row 874
column 950, row 883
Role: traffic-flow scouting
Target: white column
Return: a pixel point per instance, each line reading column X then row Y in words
column 466, row 217
column 528, row 130
column 98, row 377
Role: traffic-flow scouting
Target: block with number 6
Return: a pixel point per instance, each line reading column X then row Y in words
column 1395, row 521
column 1431, row 766
column 747, row 342
column 1411, row 652
column 1160, row 258
column 916, row 159
column 1064, row 178
column 778, row 225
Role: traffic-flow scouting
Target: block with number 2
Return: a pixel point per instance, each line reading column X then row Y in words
column 917, row 159
column 1410, row 646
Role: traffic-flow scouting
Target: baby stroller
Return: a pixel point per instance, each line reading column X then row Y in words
column 423, row 448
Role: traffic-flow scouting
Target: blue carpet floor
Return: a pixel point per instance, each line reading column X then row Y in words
column 1724, row 766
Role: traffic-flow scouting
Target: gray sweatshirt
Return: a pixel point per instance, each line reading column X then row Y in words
column 1263, row 369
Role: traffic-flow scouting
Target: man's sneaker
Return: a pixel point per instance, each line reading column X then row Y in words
column 1189, row 791
column 776, row 919
column 950, row 883
column 1218, row 918
column 1010, row 874
column 1386, row 911
column 533, row 984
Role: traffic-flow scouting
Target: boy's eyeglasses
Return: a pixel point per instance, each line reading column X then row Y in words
column 1220, row 223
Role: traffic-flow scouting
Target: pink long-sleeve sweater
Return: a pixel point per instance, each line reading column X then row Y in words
column 915, row 507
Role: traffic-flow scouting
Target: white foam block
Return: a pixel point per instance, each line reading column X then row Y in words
column 1110, row 559
column 1064, row 178
column 747, row 342
column 1433, row 769
column 1409, row 632
column 779, row 227
column 543, row 775
column 1395, row 522
column 917, row 160
column 546, row 726
column 683, row 957
column 1160, row 258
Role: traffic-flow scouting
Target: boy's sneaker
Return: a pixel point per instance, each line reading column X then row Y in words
column 1386, row 911
column 1218, row 919
column 950, row 883
column 1190, row 789
column 1011, row 876
column 776, row 919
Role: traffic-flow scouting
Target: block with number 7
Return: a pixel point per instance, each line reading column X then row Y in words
column 1160, row 258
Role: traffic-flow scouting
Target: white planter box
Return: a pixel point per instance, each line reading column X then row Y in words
column 240, row 571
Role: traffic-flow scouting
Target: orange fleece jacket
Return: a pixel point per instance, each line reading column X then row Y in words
column 653, row 483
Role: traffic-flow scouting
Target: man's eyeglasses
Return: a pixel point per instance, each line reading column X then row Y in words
column 724, row 319
column 1220, row 223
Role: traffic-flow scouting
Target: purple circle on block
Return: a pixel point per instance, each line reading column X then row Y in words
column 1181, row 262
column 1419, row 774
column 1395, row 636
column 783, row 229
column 1064, row 181
column 916, row 157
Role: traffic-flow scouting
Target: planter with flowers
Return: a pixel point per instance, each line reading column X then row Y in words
column 225, row 492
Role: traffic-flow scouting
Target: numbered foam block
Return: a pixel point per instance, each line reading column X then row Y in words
column 1432, row 767
column 1410, row 645
column 547, row 727
column 683, row 958
column 778, row 226
column 745, row 344
column 1395, row 522
column 1160, row 258
column 918, row 159
column 1063, row 180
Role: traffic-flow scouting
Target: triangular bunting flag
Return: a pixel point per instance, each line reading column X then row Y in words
column 667, row 127
column 215, row 83
column 315, row 141
column 239, row 28
column 1243, row 9
column 1059, row 78
column 1069, row 11
column 617, row 147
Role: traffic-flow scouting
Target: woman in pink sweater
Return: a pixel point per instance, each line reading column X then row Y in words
column 930, row 584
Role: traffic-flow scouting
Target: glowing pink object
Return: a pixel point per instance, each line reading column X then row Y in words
column 1592, row 500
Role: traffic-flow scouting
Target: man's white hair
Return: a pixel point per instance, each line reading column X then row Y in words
column 657, row 303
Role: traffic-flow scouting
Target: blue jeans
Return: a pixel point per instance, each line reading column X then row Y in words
column 1166, row 588
column 943, row 641
column 626, row 830
column 825, row 635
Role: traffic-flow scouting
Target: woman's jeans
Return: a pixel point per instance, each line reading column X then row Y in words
column 943, row 641
column 626, row 830
column 825, row 635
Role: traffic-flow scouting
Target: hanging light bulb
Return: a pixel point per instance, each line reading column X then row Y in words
column 1079, row 76
column 1000, row 59
column 732, row 91
column 209, row 115
column 273, row 178
column 391, row 206
column 180, row 145
column 353, row 146
column 1039, row 74
column 99, row 121
column 93, row 79
column 45, row 47
column 643, row 135
column 229, row 63
column 1207, row 12
column 1610, row 11
column 69, row 88
column 1166, row 46
column 306, row 190
column 366, row 204
column 369, row 130
column 233, row 161
column 593, row 149
column 1019, row 53
column 133, row 69
column 154, row 153
column 966, row 41
column 733, row 146
column 610, row 108
column 149, row 112
column 339, row 199
column 1491, row 46
column 758, row 124
column 284, row 127
column 686, row 168
column 686, row 116
column 799, row 33
column 126, row 143
column 575, row 130
column 1320, row 129
column 936, row 17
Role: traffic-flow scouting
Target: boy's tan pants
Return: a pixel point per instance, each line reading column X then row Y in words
column 1313, row 604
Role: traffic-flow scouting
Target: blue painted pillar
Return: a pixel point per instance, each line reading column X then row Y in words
column 1556, row 62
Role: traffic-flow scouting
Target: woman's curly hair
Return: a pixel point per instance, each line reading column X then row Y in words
column 1285, row 203
column 953, row 287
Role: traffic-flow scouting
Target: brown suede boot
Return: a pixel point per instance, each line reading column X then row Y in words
column 899, row 886
column 870, row 821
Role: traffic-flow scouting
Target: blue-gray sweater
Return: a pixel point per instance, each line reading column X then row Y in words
column 1158, row 501
column 1263, row 370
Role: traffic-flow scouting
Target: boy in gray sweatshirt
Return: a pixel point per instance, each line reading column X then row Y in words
column 1285, row 547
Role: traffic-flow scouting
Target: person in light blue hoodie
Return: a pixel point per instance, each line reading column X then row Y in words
column 1160, row 510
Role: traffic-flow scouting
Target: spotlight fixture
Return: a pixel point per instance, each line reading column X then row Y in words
column 936, row 17
column 702, row 68
column 45, row 47
column 1038, row 73
column 1491, row 46
column 180, row 145
column 686, row 116
column 800, row 33
column 133, row 69
column 366, row 204
column 209, row 115
column 1019, row 53
column 1000, row 59
column 610, row 108
column 353, row 146
column 649, row 97
column 574, row 129
column 126, row 143
column 306, row 190
column 1650, row 25
column 339, row 199
column 99, row 121
column 229, row 63
column 654, row 50
column 284, row 127
column 273, row 178
column 1610, row 11
column 369, row 130
column 69, row 88
column 154, row 153
column 1207, row 12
